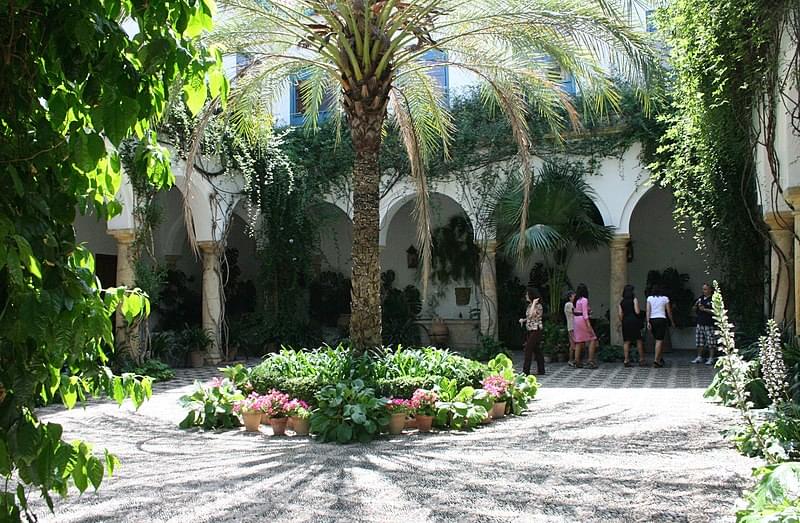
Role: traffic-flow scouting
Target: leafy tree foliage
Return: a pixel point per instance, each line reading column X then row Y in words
column 74, row 84
column 725, row 59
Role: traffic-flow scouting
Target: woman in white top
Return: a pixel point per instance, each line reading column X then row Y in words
column 659, row 310
column 569, row 315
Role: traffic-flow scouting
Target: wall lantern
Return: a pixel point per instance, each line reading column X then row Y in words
column 412, row 257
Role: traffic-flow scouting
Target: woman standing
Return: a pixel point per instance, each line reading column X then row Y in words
column 658, row 310
column 569, row 315
column 584, row 333
column 630, row 318
column 533, row 326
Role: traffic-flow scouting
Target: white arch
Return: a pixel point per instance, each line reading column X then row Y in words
column 392, row 207
column 627, row 212
column 605, row 213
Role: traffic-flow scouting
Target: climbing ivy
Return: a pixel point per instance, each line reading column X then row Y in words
column 725, row 60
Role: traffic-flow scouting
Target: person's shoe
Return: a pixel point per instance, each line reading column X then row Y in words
column 657, row 364
column 698, row 359
column 710, row 361
column 572, row 364
column 626, row 363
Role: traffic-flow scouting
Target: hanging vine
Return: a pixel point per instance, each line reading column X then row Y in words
column 727, row 86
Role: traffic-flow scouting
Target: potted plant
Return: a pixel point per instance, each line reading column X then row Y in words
column 398, row 409
column 299, row 416
column 275, row 407
column 196, row 340
column 424, row 404
column 482, row 398
column 499, row 388
column 250, row 408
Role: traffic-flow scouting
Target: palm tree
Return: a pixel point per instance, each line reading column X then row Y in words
column 364, row 57
column 562, row 220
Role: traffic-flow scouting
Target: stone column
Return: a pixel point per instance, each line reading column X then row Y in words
column 489, row 319
column 125, row 337
column 618, row 278
column 782, row 266
column 212, row 298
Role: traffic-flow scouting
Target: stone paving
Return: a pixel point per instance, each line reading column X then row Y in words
column 613, row 444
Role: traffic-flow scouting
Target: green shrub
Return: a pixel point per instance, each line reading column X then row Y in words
column 776, row 497
column 156, row 370
column 460, row 411
column 211, row 407
column 722, row 391
column 305, row 389
column 487, row 349
column 779, row 432
column 611, row 353
column 428, row 361
column 348, row 412
column 403, row 386
column 239, row 376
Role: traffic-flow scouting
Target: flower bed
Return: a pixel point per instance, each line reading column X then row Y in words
column 345, row 398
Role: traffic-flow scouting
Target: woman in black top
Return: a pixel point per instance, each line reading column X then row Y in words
column 631, row 320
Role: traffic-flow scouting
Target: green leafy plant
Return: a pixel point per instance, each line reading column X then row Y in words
column 523, row 390
column 776, row 497
column 403, row 386
column 211, row 407
column 348, row 412
column 239, row 375
column 488, row 348
column 154, row 369
column 455, row 255
column 459, row 411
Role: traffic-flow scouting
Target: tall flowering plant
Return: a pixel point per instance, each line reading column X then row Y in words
column 276, row 403
column 399, row 406
column 298, row 409
column 424, row 402
column 498, row 387
column 252, row 403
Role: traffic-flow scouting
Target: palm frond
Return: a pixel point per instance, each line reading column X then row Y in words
column 410, row 134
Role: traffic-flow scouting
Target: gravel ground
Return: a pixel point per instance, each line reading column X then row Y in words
column 612, row 444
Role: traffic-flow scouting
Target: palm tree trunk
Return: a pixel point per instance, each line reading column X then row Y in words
column 366, row 115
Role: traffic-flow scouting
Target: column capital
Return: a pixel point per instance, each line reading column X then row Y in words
column 619, row 241
column 779, row 220
column 488, row 245
column 210, row 248
column 793, row 197
column 122, row 235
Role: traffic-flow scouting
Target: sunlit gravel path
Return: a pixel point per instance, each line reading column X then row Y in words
column 612, row 444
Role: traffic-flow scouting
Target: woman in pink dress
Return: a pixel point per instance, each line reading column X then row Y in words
column 584, row 333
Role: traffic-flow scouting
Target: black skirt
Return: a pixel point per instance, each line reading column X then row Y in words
column 631, row 329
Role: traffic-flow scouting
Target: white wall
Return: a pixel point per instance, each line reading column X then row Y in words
column 401, row 234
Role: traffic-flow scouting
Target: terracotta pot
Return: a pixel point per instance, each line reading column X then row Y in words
column 397, row 422
column 290, row 423
column 300, row 426
column 196, row 358
column 440, row 333
column 411, row 423
column 463, row 295
column 252, row 420
column 424, row 423
column 499, row 410
column 278, row 426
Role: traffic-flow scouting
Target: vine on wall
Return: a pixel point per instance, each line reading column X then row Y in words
column 725, row 61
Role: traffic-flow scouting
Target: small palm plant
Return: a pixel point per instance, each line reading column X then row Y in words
column 562, row 220
column 368, row 62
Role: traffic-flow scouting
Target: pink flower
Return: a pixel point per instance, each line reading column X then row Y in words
column 399, row 405
column 424, row 401
column 497, row 386
column 216, row 383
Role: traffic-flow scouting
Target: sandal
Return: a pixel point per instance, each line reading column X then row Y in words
column 642, row 363
column 591, row 365
column 572, row 364
column 657, row 364
column 626, row 363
